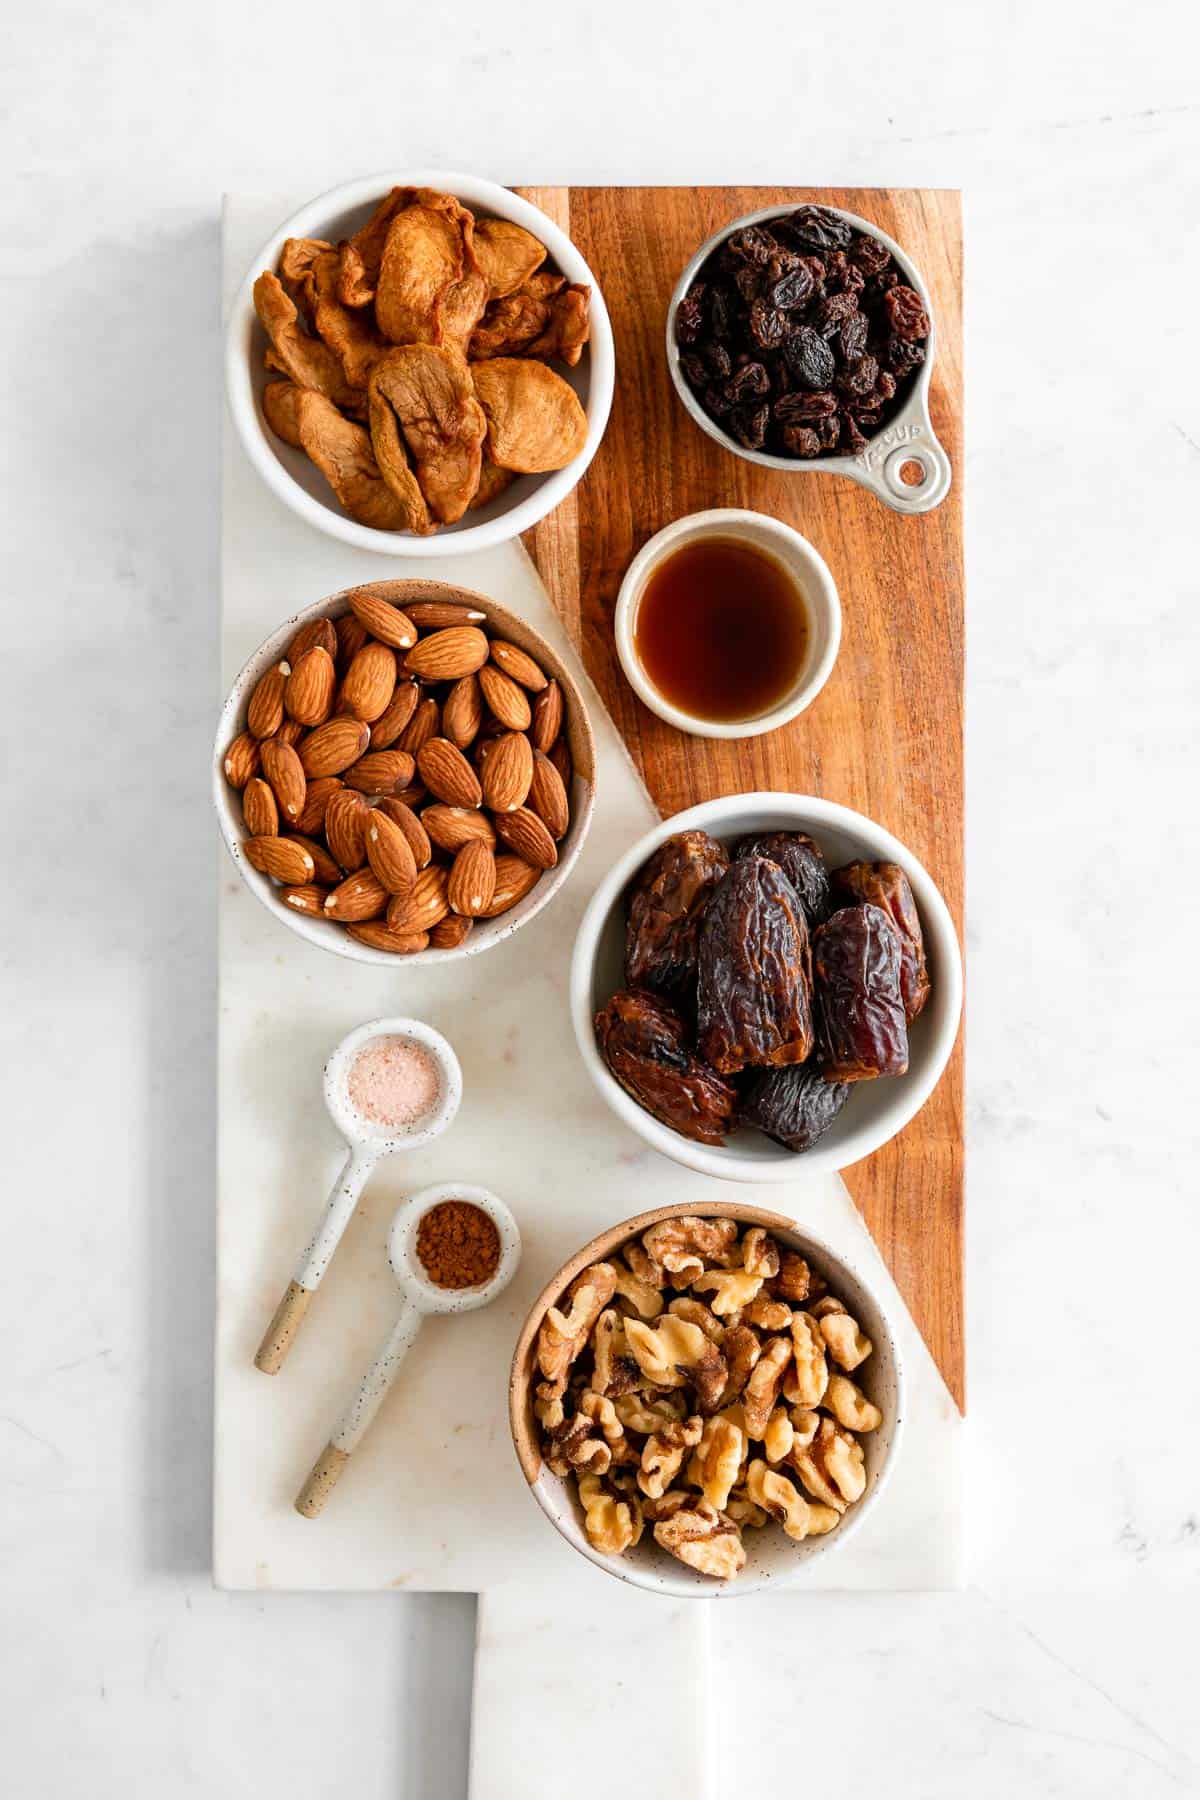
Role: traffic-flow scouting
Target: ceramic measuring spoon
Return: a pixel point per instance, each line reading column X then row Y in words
column 420, row 1297
column 367, row 1141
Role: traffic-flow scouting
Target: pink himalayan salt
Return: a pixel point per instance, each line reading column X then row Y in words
column 394, row 1081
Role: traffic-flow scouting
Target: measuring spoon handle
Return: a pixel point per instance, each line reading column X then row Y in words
column 351, row 1427
column 281, row 1333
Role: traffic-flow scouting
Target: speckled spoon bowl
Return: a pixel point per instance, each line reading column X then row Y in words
column 366, row 1143
column 420, row 1297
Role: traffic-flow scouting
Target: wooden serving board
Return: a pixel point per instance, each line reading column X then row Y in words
column 885, row 735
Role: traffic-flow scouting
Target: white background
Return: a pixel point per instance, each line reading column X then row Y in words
column 1068, row 1668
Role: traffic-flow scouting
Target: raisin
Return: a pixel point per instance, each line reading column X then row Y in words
column 810, row 358
column 689, row 314
column 803, row 408
column 750, row 383
column 751, row 245
column 748, row 282
column 860, row 1012
column 695, row 368
column 754, row 1002
column 644, row 1042
column 801, row 859
column 860, row 379
column 817, row 227
column 788, row 288
column 832, row 313
column 903, row 356
column 880, row 285
column 868, row 254
column 666, row 907
column 841, row 277
column 721, row 313
column 716, row 403
column 852, row 438
column 768, row 326
column 829, row 431
column 749, row 425
column 718, row 360
column 885, row 885
column 800, row 440
column 906, row 314
column 796, row 1106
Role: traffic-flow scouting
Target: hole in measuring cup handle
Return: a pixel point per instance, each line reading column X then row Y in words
column 906, row 467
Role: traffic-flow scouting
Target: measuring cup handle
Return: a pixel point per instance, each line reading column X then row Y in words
column 353, row 1423
column 910, row 438
column 281, row 1333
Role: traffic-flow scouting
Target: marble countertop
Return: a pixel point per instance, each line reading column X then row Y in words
column 1065, row 1669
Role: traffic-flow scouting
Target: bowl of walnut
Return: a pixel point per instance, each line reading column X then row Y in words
column 404, row 770
column 766, row 985
column 420, row 363
column 802, row 338
column 705, row 1400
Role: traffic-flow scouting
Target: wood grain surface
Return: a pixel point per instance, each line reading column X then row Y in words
column 885, row 735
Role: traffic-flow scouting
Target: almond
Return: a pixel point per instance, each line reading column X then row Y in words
column 308, row 695
column 390, row 855
column 317, row 631
column 361, row 896
column 370, row 682
column 462, row 712
column 450, row 932
column 279, row 858
column 421, row 727
column 447, row 773
column 242, row 760
column 346, row 820
column 378, row 935
column 290, row 732
column 351, row 635
column 548, row 797
column 410, row 825
column 560, row 756
column 472, row 880
column 264, row 715
column 380, row 772
column 448, row 655
column 411, row 796
column 525, row 833
column 317, row 796
column 333, row 746
column 383, row 620
column 308, row 899
column 395, row 716
column 516, row 663
column 451, row 827
column 285, row 772
column 514, row 878
column 432, row 615
column 420, row 909
column 547, row 717
column 259, row 809
column 325, row 870
column 506, row 700
column 507, row 772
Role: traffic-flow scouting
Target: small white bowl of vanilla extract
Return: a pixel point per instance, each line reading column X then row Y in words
column 728, row 624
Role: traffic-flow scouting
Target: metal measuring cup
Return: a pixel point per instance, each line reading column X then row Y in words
column 367, row 1142
column 420, row 1298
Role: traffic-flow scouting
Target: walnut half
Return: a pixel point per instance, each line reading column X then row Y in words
column 703, row 1538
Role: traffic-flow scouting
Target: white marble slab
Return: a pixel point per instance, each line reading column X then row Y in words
column 434, row 1499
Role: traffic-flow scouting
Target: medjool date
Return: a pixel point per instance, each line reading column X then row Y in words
column 856, row 980
column 885, row 884
column 800, row 858
column 796, row 1105
column 666, row 908
column 754, row 1003
column 644, row 1042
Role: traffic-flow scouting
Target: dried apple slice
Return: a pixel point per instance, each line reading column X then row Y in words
column 305, row 360
column 534, row 419
column 430, row 391
column 507, row 254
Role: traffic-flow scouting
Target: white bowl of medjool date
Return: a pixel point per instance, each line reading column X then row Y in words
column 765, row 985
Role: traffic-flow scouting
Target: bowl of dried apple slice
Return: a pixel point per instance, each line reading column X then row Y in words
column 420, row 363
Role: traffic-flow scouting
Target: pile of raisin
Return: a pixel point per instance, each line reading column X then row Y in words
column 800, row 337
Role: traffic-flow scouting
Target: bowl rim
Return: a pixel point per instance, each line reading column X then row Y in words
column 583, row 794
column 886, row 444
column 780, row 1164
column 474, row 190
column 821, row 597
column 524, row 1438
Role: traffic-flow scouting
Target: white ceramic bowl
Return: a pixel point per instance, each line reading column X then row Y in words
column 773, row 1559
column 908, row 436
column 290, row 474
column 876, row 1110
column 486, row 932
column 809, row 572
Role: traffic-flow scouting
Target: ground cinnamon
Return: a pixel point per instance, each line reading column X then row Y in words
column 458, row 1245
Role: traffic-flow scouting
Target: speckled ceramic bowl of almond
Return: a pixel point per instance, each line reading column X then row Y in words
column 500, row 622
column 773, row 1560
